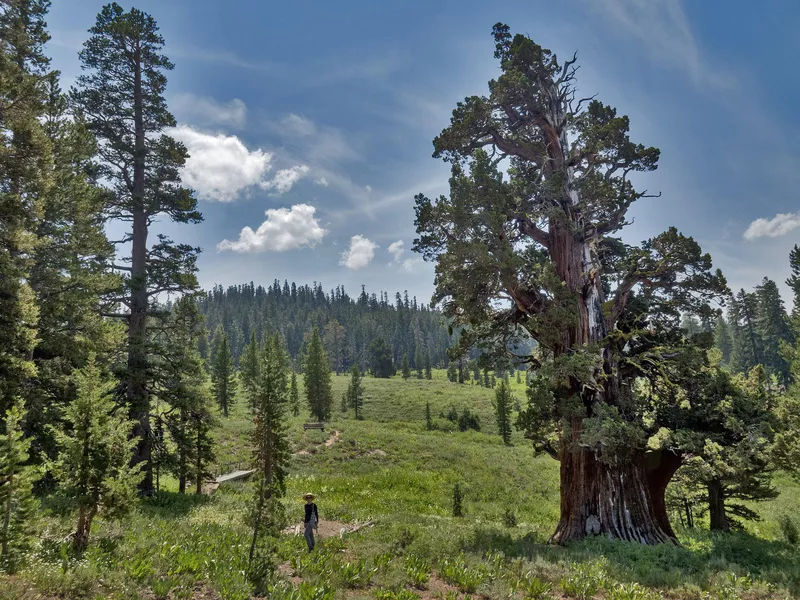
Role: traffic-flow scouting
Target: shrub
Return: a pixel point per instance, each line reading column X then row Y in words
column 395, row 595
column 789, row 529
column 533, row 588
column 631, row 591
column 418, row 572
column 458, row 501
column 509, row 518
column 456, row 572
column 468, row 420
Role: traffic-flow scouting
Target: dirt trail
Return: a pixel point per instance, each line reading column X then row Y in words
column 328, row 528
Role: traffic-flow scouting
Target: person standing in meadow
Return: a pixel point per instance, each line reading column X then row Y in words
column 311, row 520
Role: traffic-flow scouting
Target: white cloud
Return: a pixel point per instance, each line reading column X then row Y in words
column 284, row 229
column 396, row 249
column 323, row 145
column 220, row 167
column 368, row 188
column 410, row 264
column 321, row 181
column 359, row 254
column 779, row 225
column 201, row 110
column 285, row 179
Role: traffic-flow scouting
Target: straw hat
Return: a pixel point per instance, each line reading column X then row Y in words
column 308, row 495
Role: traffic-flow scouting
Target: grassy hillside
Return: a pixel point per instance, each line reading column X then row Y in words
column 390, row 473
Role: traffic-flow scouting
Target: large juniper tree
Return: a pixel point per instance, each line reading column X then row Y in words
column 121, row 96
column 533, row 254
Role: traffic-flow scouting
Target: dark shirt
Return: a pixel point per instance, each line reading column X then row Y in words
column 309, row 508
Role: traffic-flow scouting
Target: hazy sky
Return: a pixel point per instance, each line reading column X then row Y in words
column 310, row 123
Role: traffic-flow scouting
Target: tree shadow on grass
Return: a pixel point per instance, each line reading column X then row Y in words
column 172, row 505
column 704, row 559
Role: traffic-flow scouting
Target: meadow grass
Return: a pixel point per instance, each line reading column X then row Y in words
column 390, row 471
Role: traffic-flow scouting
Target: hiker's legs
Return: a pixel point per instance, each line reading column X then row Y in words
column 309, row 536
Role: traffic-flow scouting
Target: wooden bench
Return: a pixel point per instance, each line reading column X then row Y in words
column 320, row 426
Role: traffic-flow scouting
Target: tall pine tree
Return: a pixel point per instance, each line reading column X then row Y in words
column 270, row 451
column 774, row 329
column 223, row 372
column 317, row 379
column 502, row 410
column 355, row 392
column 121, row 96
column 25, row 166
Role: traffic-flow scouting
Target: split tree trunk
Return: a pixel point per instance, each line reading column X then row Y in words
column 658, row 477
column 604, row 499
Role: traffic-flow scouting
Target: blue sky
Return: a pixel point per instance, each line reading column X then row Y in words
column 311, row 122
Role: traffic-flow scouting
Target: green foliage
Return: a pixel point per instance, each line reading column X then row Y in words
column 223, row 372
column 452, row 372
column 355, row 392
column 317, row 379
column 183, row 387
column 406, row 370
column 93, row 463
column 381, row 358
column 349, row 326
column 17, row 505
column 418, row 571
column 789, row 529
column 25, row 162
column 458, row 501
column 584, row 580
column 428, row 420
column 534, row 588
column 509, row 518
column 503, row 401
column 294, row 396
column 248, row 366
column 468, row 420
column 270, row 457
column 120, row 96
column 457, row 572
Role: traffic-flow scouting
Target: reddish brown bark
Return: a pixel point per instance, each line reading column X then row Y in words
column 597, row 497
column 661, row 468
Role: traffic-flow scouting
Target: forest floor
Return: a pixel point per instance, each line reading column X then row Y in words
column 391, row 474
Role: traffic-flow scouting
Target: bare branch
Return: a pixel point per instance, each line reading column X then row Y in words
column 529, row 228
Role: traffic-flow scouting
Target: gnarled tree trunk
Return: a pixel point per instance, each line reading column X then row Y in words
column 661, row 468
column 610, row 498
column 602, row 499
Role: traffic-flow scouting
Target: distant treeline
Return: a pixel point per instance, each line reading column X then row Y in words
column 348, row 325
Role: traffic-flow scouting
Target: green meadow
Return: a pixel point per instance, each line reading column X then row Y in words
column 392, row 481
